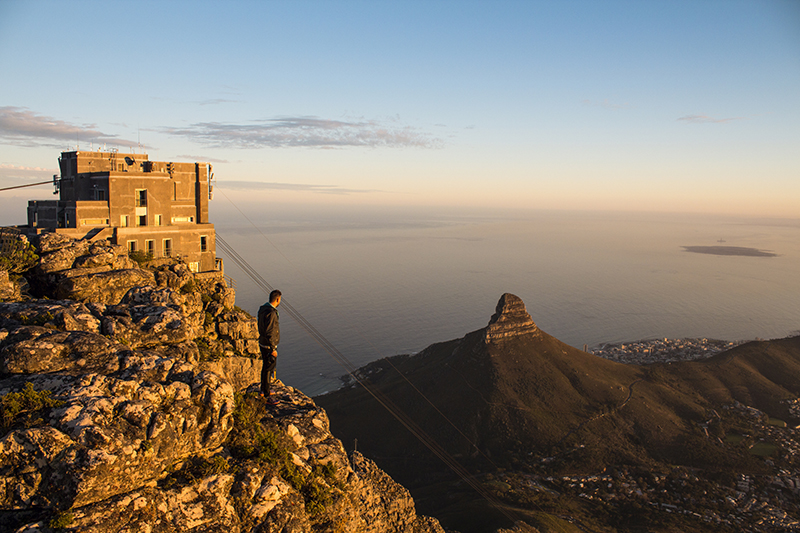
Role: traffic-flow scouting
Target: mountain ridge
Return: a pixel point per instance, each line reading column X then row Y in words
column 510, row 396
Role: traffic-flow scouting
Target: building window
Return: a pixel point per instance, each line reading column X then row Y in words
column 141, row 197
column 123, row 221
column 141, row 220
column 194, row 266
column 94, row 222
column 203, row 243
column 150, row 247
column 167, row 247
column 158, row 220
column 132, row 247
column 100, row 194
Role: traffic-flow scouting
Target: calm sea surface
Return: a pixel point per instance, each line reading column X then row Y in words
column 383, row 283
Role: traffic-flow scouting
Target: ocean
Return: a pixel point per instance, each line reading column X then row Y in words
column 383, row 282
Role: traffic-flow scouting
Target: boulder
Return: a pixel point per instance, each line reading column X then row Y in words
column 63, row 314
column 61, row 258
column 50, row 242
column 29, row 351
column 204, row 506
column 113, row 435
column 239, row 371
column 149, row 316
column 103, row 287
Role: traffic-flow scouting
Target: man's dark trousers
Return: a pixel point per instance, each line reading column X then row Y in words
column 269, row 362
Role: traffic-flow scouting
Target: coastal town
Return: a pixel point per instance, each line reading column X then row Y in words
column 645, row 352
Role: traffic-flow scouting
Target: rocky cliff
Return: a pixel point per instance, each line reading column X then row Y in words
column 124, row 403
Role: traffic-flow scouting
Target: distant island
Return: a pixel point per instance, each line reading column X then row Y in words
column 729, row 250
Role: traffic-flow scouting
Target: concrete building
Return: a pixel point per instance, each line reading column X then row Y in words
column 150, row 206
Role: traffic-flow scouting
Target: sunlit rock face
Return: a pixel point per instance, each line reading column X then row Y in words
column 119, row 412
column 510, row 320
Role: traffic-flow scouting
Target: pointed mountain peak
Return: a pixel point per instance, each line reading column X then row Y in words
column 510, row 319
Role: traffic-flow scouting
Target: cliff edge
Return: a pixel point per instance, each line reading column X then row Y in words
column 124, row 403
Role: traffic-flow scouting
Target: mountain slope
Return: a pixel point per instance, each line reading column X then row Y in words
column 512, row 396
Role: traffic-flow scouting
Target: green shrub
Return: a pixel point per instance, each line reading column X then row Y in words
column 37, row 320
column 18, row 257
column 25, row 408
column 195, row 470
column 206, row 353
column 61, row 520
column 189, row 287
column 140, row 257
column 249, row 439
column 317, row 497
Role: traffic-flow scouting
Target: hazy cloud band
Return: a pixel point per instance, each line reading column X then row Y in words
column 705, row 119
column 240, row 185
column 19, row 125
column 305, row 132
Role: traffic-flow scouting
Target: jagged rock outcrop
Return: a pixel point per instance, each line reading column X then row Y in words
column 113, row 418
column 108, row 287
column 161, row 303
column 510, row 320
column 83, row 270
column 113, row 433
column 8, row 289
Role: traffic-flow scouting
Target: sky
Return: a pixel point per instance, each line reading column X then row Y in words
column 659, row 105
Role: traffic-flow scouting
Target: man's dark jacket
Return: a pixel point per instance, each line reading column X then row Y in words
column 269, row 332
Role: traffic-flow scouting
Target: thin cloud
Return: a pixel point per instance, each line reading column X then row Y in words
column 216, row 101
column 306, row 132
column 606, row 104
column 21, row 126
column 11, row 175
column 705, row 119
column 202, row 158
column 238, row 185
column 9, row 167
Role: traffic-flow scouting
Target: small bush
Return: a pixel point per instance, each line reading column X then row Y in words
column 189, row 287
column 317, row 497
column 37, row 320
column 61, row 521
column 25, row 408
column 206, row 352
column 19, row 257
column 249, row 439
column 140, row 257
column 195, row 470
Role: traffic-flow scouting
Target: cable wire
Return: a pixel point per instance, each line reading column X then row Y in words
column 381, row 398
column 49, row 182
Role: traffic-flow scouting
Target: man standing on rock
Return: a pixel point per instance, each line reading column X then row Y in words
column 269, row 335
